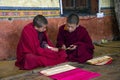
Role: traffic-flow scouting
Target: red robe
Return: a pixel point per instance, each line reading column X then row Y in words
column 31, row 55
column 79, row 37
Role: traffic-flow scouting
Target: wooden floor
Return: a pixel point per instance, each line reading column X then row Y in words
column 7, row 68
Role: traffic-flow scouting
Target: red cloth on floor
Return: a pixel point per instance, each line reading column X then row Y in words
column 75, row 74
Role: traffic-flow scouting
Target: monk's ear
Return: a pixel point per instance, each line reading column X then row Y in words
column 65, row 28
column 35, row 27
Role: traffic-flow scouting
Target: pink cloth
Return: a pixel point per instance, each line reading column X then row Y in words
column 75, row 74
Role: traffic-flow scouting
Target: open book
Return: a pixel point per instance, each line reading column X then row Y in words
column 100, row 60
column 57, row 69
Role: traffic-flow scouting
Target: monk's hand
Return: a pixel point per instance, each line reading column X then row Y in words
column 72, row 47
column 63, row 47
column 53, row 48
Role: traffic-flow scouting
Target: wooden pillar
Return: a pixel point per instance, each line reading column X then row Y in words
column 117, row 11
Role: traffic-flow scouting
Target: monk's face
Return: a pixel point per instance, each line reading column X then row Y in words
column 71, row 27
column 41, row 29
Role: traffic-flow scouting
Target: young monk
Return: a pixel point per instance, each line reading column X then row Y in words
column 35, row 49
column 75, row 39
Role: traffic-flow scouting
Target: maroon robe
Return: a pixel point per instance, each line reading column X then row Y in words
column 79, row 37
column 31, row 55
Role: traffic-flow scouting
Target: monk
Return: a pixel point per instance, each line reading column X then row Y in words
column 75, row 39
column 35, row 49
